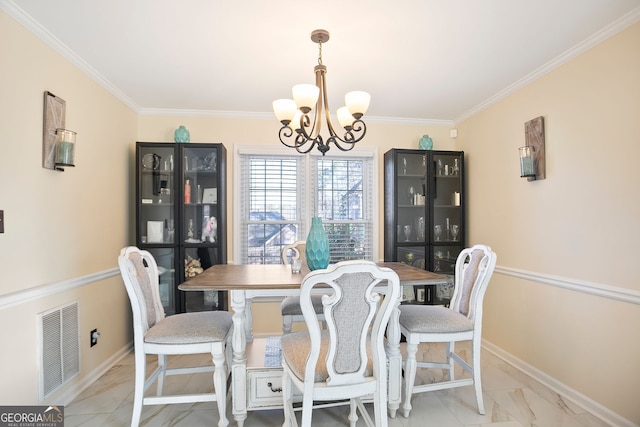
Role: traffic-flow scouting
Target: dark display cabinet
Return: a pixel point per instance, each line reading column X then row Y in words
column 181, row 217
column 424, row 215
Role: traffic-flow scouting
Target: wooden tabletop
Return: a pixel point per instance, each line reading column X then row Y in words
column 279, row 276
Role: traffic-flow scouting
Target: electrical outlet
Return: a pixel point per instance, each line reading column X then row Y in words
column 94, row 335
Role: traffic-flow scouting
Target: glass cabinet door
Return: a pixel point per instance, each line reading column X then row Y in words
column 200, row 216
column 156, row 193
column 156, row 214
column 447, row 227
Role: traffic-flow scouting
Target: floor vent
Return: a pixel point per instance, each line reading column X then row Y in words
column 59, row 347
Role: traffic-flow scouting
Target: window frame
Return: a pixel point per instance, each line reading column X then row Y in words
column 307, row 199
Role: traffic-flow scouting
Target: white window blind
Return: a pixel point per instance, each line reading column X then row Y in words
column 342, row 195
column 271, row 206
column 278, row 195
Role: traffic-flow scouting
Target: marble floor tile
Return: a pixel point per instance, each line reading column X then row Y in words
column 511, row 399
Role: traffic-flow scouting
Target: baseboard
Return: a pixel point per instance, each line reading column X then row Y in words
column 591, row 406
column 73, row 390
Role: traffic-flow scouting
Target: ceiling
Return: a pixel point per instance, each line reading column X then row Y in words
column 428, row 61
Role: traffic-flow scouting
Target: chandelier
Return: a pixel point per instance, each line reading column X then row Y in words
column 294, row 114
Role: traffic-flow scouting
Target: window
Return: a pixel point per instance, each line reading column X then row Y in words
column 278, row 195
column 340, row 198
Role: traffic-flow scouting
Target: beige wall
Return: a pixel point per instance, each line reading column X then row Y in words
column 581, row 223
column 59, row 226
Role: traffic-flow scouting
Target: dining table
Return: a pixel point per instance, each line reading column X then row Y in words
column 246, row 282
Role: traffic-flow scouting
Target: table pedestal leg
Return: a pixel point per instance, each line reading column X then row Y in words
column 395, row 361
column 239, row 360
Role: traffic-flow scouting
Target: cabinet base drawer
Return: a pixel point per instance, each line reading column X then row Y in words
column 264, row 388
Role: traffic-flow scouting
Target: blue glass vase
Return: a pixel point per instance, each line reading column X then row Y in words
column 317, row 250
column 181, row 134
column 426, row 143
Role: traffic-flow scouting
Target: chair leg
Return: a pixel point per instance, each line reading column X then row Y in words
column 353, row 413
column 380, row 406
column 409, row 377
column 162, row 365
column 477, row 377
column 220, row 383
column 307, row 409
column 289, row 415
column 138, row 394
column 286, row 324
column 450, row 349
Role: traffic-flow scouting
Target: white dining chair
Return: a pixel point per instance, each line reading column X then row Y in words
column 179, row 334
column 346, row 361
column 461, row 321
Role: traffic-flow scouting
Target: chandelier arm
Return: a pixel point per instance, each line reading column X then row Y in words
column 350, row 137
column 301, row 141
column 325, row 101
column 286, row 132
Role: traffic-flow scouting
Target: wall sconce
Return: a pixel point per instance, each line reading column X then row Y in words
column 58, row 143
column 532, row 156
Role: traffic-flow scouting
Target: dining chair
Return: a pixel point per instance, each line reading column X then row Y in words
column 184, row 333
column 346, row 361
column 461, row 321
column 290, row 306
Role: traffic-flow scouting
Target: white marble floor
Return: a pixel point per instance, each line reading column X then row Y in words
column 511, row 400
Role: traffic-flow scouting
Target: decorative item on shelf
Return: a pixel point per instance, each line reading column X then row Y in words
column 532, row 155
column 420, row 228
column 168, row 163
column 190, row 231
column 455, row 170
column 407, row 232
column 455, row 198
column 426, row 143
column 447, row 229
column 210, row 230
column 295, row 118
column 210, row 195
column 151, row 161
column 192, row 267
column 317, row 249
column 181, row 134
column 155, row 231
column 454, row 232
column 187, row 192
column 437, row 231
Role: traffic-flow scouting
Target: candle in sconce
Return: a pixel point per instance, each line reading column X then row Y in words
column 65, row 147
column 526, row 161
